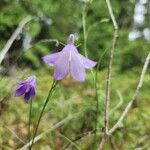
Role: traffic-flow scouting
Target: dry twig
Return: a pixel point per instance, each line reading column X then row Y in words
column 117, row 125
column 13, row 37
column 15, row 135
column 57, row 125
column 109, row 76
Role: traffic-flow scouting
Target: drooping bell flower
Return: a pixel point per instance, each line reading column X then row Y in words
column 69, row 62
column 27, row 88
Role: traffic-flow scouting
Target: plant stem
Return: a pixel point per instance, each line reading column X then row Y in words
column 96, row 87
column 30, row 113
column 109, row 76
column 108, row 85
column 84, row 29
column 128, row 107
column 44, row 106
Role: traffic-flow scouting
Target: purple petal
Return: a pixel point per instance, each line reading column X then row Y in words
column 87, row 63
column 70, row 47
column 22, row 83
column 76, row 68
column 61, row 69
column 28, row 80
column 21, row 90
column 50, row 59
column 33, row 81
column 32, row 92
column 27, row 96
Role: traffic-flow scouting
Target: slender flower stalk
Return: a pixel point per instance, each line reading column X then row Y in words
column 96, row 87
column 85, row 36
column 30, row 115
column 28, row 89
column 84, row 12
column 109, row 76
column 44, row 106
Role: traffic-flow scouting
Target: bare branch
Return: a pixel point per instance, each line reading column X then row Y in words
column 81, row 137
column 108, row 85
column 15, row 135
column 113, row 129
column 70, row 141
column 109, row 76
column 13, row 37
column 102, row 143
column 112, row 15
column 142, row 140
column 57, row 125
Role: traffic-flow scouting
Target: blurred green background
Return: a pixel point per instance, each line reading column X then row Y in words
column 56, row 19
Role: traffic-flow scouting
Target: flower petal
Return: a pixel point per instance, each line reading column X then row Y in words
column 28, row 80
column 27, row 96
column 76, row 68
column 50, row 59
column 87, row 63
column 70, row 47
column 22, row 83
column 32, row 92
column 20, row 91
column 61, row 66
column 33, row 81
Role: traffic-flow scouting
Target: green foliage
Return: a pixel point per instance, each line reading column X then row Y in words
column 71, row 98
column 56, row 19
column 32, row 59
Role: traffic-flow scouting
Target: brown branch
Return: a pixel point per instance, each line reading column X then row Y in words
column 109, row 76
column 112, row 14
column 82, row 137
column 108, row 84
column 13, row 37
column 117, row 125
column 57, row 125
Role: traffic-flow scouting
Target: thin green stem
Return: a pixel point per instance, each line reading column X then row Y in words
column 96, row 87
column 85, row 35
column 97, row 105
column 30, row 113
column 84, row 29
column 95, row 24
column 44, row 106
column 99, row 63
